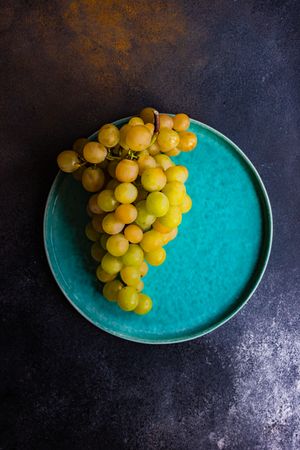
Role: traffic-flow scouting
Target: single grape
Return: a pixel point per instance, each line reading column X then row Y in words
column 97, row 252
column 77, row 174
column 156, row 257
column 91, row 233
column 144, row 219
column 112, row 184
column 153, row 179
column 107, row 201
column 181, row 122
column 109, row 135
column 161, row 228
column 123, row 133
column 175, row 191
column 134, row 256
column 117, row 245
column 133, row 234
column 147, row 115
column 165, row 121
column 174, row 152
column 103, row 240
column 154, row 149
column 94, row 153
column 111, row 225
column 97, row 223
column 144, row 305
column 145, row 162
column 140, row 286
column 150, row 127
column 112, row 165
column 93, row 205
column 130, row 275
column 135, row 121
column 177, row 173
column 167, row 139
column 103, row 276
column 111, row 290
column 157, row 203
column 173, row 217
column 128, row 298
column 68, row 161
column 79, row 144
column 138, row 138
column 126, row 193
column 93, row 179
column 186, row 204
column 188, row 141
column 144, row 269
column 127, row 170
column 111, row 264
column 163, row 161
column 126, row 213
column 151, row 240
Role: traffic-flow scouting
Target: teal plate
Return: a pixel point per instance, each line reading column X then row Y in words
column 212, row 267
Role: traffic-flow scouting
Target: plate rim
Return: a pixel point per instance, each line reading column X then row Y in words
column 267, row 241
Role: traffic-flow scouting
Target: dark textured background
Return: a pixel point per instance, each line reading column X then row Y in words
column 67, row 67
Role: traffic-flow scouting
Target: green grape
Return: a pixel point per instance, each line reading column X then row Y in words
column 94, row 153
column 109, row 135
column 126, row 193
column 79, row 144
column 128, row 298
column 138, row 138
column 103, row 276
column 156, row 257
column 134, row 256
column 173, row 217
column 68, row 161
column 111, row 264
column 91, row 233
column 144, row 219
column 175, row 192
column 151, row 240
column 93, row 179
column 186, row 204
column 111, row 290
column 144, row 305
column 135, row 121
column 93, row 205
column 167, row 139
column 117, row 245
column 147, row 115
column 107, row 201
column 188, row 141
column 127, row 171
column 153, row 179
column 165, row 121
column 103, row 240
column 97, row 252
column 181, row 122
column 144, row 269
column 111, row 225
column 163, row 161
column 177, row 173
column 157, row 204
column 130, row 275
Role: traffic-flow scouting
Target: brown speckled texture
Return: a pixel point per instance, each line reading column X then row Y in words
column 67, row 67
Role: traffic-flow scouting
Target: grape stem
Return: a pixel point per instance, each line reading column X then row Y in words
column 156, row 121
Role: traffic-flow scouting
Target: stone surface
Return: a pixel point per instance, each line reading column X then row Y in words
column 67, row 67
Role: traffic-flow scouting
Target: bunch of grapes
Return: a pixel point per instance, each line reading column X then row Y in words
column 138, row 198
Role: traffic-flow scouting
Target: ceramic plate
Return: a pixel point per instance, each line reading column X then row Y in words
column 212, row 267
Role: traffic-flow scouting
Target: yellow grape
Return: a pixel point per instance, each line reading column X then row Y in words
column 68, row 161
column 175, row 191
column 147, row 115
column 126, row 213
column 94, row 153
column 154, row 149
column 93, row 179
column 109, row 135
column 174, row 152
column 138, row 138
column 111, row 290
column 161, row 228
column 181, row 122
column 165, row 121
column 117, row 245
column 128, row 298
column 111, row 225
column 186, row 204
column 167, row 139
column 123, row 133
column 163, row 161
column 130, row 275
column 135, row 121
column 157, row 203
column 134, row 256
column 153, row 179
column 173, row 217
column 103, row 276
column 144, row 305
column 145, row 162
column 156, row 257
column 111, row 264
column 144, row 219
column 177, row 173
column 127, row 170
column 151, row 241
column 133, row 234
column 188, row 141
column 126, row 193
column 106, row 200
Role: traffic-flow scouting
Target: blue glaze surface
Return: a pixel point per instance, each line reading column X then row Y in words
column 212, row 267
